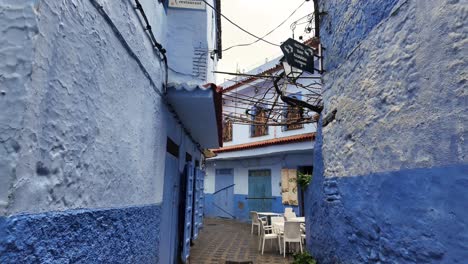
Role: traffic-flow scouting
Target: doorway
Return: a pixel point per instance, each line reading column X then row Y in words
column 169, row 219
column 224, row 193
column 304, row 170
column 260, row 195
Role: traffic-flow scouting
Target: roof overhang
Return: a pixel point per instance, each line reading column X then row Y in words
column 303, row 148
column 297, row 143
column 199, row 107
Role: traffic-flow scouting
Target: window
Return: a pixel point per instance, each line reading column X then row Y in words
column 172, row 147
column 188, row 157
column 294, row 117
column 259, row 127
column 227, row 130
column 260, row 173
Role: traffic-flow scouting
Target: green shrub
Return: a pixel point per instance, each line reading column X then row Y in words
column 303, row 180
column 304, row 258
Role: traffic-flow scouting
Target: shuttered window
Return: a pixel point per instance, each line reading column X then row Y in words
column 227, row 130
column 294, row 118
column 260, row 128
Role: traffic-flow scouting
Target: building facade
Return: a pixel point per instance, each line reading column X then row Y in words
column 391, row 171
column 263, row 150
column 98, row 161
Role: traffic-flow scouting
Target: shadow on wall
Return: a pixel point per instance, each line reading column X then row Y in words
column 407, row 216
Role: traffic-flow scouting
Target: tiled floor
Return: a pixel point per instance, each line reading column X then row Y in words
column 225, row 240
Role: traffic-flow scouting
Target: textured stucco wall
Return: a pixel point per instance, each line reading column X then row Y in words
column 79, row 126
column 124, row 235
column 391, row 173
column 82, row 132
column 192, row 37
column 79, row 119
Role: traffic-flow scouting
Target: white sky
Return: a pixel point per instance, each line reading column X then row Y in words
column 257, row 17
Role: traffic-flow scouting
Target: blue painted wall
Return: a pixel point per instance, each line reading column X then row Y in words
column 406, row 216
column 121, row 235
column 347, row 23
column 241, row 207
column 83, row 126
column 390, row 179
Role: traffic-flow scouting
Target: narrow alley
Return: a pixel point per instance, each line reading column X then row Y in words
column 162, row 132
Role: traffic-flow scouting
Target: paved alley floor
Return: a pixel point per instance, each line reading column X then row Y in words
column 223, row 240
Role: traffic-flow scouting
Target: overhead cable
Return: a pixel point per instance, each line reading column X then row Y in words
column 271, row 31
column 154, row 42
column 262, row 76
column 239, row 27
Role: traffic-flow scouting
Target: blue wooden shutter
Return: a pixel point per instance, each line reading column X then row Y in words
column 202, row 200
column 196, row 209
column 188, row 212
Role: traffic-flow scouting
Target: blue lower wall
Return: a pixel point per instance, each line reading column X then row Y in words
column 241, row 207
column 124, row 235
column 406, row 216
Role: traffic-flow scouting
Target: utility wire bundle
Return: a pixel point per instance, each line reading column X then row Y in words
column 242, row 105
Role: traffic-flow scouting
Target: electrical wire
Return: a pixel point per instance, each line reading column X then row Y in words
column 262, row 76
column 154, row 42
column 310, row 18
column 239, row 27
column 238, row 105
column 267, row 34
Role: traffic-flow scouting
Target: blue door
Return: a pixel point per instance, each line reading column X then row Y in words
column 189, row 171
column 224, row 193
column 197, row 208
column 169, row 219
column 201, row 205
column 259, row 197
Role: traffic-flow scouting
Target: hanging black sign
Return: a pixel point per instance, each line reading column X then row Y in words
column 298, row 55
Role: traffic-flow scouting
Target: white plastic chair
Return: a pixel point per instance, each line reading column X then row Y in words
column 288, row 210
column 276, row 230
column 289, row 215
column 292, row 234
column 266, row 233
column 303, row 231
column 255, row 221
column 277, row 219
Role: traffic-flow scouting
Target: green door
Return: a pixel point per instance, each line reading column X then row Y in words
column 259, row 197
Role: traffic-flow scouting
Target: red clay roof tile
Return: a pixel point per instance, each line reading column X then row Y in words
column 269, row 142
